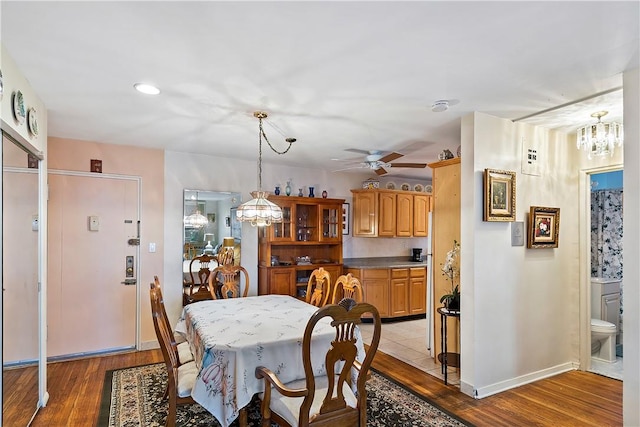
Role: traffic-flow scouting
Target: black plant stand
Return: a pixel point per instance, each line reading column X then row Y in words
column 445, row 358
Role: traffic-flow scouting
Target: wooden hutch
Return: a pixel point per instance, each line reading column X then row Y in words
column 309, row 237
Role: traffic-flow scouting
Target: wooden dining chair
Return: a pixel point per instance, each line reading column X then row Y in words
column 181, row 377
column 318, row 287
column 347, row 286
column 226, row 256
column 199, row 271
column 184, row 351
column 328, row 399
column 225, row 282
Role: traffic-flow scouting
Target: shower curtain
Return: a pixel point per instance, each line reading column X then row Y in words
column 606, row 235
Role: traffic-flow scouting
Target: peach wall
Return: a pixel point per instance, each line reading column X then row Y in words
column 75, row 155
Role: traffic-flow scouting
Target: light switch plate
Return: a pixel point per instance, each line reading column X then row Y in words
column 94, row 223
column 517, row 233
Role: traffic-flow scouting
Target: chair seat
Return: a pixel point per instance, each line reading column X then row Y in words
column 187, row 374
column 289, row 407
column 184, row 353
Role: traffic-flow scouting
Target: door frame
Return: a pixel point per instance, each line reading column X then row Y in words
column 584, row 233
column 138, row 181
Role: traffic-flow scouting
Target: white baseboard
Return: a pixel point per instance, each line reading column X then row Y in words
column 501, row 386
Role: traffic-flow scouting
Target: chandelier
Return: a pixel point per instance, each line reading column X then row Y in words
column 600, row 139
column 259, row 211
column 196, row 219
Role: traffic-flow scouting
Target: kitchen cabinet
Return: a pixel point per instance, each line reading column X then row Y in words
column 390, row 213
column 446, row 229
column 309, row 237
column 395, row 291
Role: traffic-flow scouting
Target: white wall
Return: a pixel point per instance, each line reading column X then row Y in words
column 521, row 306
column 13, row 81
column 631, row 242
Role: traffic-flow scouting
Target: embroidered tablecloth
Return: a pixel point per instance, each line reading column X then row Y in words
column 230, row 338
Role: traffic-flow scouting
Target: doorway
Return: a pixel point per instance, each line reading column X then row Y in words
column 606, row 262
column 93, row 263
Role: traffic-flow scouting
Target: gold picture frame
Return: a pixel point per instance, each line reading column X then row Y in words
column 544, row 227
column 499, row 195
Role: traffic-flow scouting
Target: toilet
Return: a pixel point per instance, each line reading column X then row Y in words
column 603, row 340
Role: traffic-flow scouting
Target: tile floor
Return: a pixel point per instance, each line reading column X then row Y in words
column 611, row 370
column 407, row 341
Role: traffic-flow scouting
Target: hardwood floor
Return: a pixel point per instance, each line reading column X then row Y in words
column 570, row 399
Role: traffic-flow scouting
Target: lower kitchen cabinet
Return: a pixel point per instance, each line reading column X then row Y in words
column 395, row 292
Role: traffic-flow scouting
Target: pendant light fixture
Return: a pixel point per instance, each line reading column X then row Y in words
column 600, row 139
column 259, row 211
column 196, row 219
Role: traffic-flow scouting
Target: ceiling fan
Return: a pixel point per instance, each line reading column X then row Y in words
column 378, row 162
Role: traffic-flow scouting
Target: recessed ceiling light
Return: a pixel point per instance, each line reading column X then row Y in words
column 146, row 88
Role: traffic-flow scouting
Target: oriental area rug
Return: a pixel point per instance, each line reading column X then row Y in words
column 133, row 397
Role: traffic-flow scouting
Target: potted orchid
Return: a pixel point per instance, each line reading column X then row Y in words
column 451, row 269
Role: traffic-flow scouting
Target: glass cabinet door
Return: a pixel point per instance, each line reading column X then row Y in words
column 282, row 230
column 331, row 223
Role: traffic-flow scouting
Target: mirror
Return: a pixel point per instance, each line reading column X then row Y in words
column 210, row 224
column 20, row 347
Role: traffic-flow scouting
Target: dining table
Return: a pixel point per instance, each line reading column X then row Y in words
column 229, row 338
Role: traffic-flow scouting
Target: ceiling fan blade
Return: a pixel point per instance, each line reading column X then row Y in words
column 357, row 150
column 391, row 157
column 408, row 165
column 349, row 168
column 380, row 171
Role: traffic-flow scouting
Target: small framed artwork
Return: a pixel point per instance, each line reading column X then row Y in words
column 544, row 227
column 345, row 218
column 499, row 195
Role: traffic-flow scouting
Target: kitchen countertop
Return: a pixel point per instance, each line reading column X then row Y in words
column 383, row 262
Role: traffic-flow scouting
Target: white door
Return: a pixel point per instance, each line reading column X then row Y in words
column 91, row 220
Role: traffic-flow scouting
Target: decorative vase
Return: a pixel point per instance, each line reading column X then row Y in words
column 277, row 192
column 311, row 192
column 300, row 193
column 324, row 194
column 287, row 189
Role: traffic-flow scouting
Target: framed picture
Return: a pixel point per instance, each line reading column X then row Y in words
column 345, row 218
column 499, row 195
column 544, row 227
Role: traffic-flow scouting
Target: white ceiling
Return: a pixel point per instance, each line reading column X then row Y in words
column 335, row 75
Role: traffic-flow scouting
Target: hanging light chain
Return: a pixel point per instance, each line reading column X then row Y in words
column 262, row 115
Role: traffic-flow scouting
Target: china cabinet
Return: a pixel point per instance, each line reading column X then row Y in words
column 309, row 237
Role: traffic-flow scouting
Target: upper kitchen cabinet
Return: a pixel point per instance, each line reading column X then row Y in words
column 390, row 213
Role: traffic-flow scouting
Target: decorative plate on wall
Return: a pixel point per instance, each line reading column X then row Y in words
column 405, row 187
column 32, row 121
column 391, row 185
column 18, row 107
column 428, row 188
column 417, row 187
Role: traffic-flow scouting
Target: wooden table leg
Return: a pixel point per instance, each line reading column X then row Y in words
column 243, row 418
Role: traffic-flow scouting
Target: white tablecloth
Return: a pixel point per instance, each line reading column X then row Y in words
column 230, row 338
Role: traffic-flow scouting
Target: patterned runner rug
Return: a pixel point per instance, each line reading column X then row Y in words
column 133, row 397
